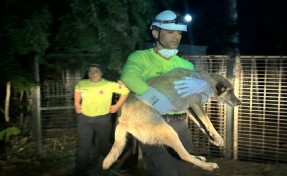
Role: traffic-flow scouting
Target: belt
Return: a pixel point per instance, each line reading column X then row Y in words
column 174, row 117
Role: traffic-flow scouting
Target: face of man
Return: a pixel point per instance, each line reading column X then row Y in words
column 95, row 74
column 167, row 38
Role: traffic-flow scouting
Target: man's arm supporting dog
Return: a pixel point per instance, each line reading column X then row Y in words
column 146, row 124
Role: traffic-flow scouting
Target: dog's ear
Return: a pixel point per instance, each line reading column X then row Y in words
column 220, row 88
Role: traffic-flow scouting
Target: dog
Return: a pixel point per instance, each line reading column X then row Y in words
column 147, row 125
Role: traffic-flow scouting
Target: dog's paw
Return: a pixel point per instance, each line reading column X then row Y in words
column 106, row 164
column 217, row 140
column 211, row 166
column 202, row 158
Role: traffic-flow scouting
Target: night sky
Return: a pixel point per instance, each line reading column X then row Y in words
column 262, row 25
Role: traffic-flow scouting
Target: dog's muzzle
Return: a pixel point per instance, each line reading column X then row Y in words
column 174, row 117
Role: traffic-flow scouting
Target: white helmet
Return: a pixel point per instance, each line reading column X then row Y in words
column 169, row 20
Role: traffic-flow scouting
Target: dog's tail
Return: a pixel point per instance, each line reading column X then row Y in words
column 118, row 147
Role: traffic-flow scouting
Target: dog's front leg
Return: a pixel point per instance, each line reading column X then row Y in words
column 198, row 115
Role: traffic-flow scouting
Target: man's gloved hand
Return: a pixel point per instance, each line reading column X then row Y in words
column 156, row 100
column 191, row 85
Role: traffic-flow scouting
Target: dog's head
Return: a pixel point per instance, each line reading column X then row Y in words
column 224, row 91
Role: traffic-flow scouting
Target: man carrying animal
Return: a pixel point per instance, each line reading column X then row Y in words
column 142, row 65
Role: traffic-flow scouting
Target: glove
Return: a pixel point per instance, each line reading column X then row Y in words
column 191, row 85
column 156, row 100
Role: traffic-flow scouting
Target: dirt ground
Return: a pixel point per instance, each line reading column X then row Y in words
column 230, row 168
column 61, row 167
column 58, row 156
column 242, row 168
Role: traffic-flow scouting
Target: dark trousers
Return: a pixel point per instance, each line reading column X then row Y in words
column 92, row 131
column 164, row 161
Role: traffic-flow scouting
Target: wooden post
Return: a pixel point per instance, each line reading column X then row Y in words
column 7, row 101
column 36, row 106
column 229, row 115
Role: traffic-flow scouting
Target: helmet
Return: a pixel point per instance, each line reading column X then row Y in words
column 169, row 20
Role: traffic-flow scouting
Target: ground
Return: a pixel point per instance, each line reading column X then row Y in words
column 57, row 159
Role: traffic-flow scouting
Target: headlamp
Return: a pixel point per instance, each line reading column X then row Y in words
column 187, row 18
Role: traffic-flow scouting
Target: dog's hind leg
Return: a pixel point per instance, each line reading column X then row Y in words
column 118, row 146
column 166, row 135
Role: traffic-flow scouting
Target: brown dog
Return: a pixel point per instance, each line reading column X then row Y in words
column 146, row 124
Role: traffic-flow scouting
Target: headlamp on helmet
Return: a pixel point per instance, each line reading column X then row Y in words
column 170, row 20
